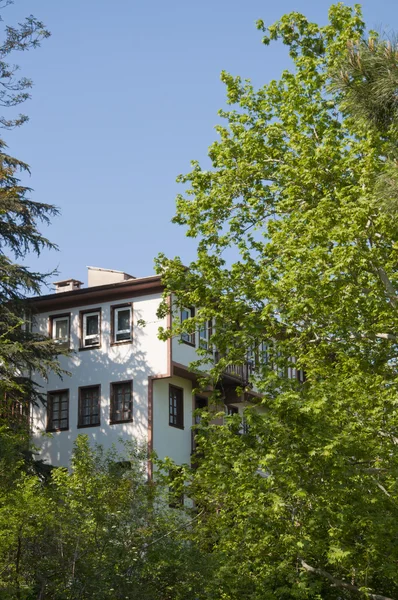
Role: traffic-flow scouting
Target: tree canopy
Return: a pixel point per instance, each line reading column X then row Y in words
column 99, row 531
column 21, row 352
column 298, row 249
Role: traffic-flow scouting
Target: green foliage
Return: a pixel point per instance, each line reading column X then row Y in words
column 297, row 245
column 20, row 351
column 99, row 531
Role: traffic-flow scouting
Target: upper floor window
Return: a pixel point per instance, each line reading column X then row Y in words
column 60, row 329
column 121, row 323
column 205, row 332
column 90, row 328
column 121, row 402
column 187, row 313
column 176, row 407
column 264, row 353
column 89, row 406
column 58, row 410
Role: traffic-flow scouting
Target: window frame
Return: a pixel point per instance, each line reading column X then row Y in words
column 188, row 338
column 50, row 395
column 114, row 311
column 204, row 342
column 51, row 328
column 113, row 384
column 81, row 425
column 83, row 317
column 232, row 410
column 179, row 407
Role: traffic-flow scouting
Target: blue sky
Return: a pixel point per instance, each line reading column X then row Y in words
column 125, row 94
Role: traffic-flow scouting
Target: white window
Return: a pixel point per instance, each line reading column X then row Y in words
column 204, row 335
column 187, row 313
column 60, row 330
column 264, row 353
column 122, row 323
column 91, row 329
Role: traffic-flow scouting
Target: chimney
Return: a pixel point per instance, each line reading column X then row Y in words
column 67, row 285
column 99, row 276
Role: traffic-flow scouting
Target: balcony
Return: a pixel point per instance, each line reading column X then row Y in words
column 15, row 413
column 238, row 372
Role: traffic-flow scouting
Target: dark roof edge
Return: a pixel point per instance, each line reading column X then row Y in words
column 109, row 290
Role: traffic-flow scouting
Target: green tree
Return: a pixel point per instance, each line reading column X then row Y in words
column 295, row 249
column 99, row 531
column 21, row 352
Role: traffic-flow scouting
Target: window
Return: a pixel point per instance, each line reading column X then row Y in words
column 301, row 375
column 232, row 410
column 121, row 323
column 121, row 402
column 205, row 332
column 58, row 410
column 89, row 406
column 251, row 360
column 187, row 313
column 176, row 407
column 200, row 404
column 60, row 329
column 264, row 354
column 90, row 322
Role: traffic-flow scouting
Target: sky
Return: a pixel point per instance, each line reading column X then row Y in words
column 125, row 95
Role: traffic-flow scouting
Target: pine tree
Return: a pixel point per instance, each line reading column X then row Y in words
column 21, row 352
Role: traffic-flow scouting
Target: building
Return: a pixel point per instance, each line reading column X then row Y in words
column 124, row 382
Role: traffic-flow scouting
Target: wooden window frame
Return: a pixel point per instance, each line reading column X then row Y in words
column 82, row 315
column 114, row 309
column 180, row 411
column 52, row 318
column 81, row 425
column 50, row 408
column 190, row 340
column 113, row 421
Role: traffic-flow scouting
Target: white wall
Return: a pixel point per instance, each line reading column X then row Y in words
column 167, row 440
column 183, row 353
column 145, row 356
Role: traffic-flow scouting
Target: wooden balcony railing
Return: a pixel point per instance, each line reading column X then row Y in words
column 15, row 413
column 240, row 372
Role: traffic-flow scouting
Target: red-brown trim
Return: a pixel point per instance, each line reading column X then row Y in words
column 111, row 396
column 112, row 292
column 151, row 379
column 113, row 342
column 85, row 387
column 81, row 318
column 54, row 429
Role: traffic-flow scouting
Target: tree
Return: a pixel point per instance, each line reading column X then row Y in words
column 100, row 531
column 21, row 352
column 296, row 249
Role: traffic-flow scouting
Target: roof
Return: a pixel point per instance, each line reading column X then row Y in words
column 97, row 294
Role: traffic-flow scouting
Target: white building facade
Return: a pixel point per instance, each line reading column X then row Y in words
column 123, row 382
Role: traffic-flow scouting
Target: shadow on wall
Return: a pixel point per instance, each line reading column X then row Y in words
column 101, row 366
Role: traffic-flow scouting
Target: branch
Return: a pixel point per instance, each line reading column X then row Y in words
column 388, row 286
column 185, row 524
column 341, row 584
